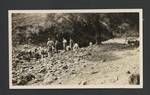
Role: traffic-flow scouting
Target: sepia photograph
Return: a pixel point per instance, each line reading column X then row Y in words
column 73, row 49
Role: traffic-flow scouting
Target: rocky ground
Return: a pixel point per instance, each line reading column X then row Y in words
column 113, row 62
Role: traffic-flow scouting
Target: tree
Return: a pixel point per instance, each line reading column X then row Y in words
column 82, row 28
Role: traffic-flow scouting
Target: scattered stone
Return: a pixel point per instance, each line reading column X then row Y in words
column 117, row 78
column 103, row 60
column 73, row 72
column 55, row 78
column 24, row 79
column 43, row 70
column 128, row 72
column 92, row 67
column 89, row 53
column 84, row 66
column 94, row 72
column 17, row 61
column 65, row 67
column 84, row 83
column 29, row 77
column 14, row 80
column 14, row 65
column 48, row 80
column 134, row 79
column 21, row 82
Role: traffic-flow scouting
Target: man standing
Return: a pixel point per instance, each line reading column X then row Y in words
column 56, row 46
column 64, row 43
column 75, row 47
column 90, row 44
column 71, row 43
column 50, row 45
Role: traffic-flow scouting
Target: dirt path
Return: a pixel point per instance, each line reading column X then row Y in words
column 112, row 72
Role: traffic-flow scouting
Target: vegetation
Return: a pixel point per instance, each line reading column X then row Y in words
column 81, row 27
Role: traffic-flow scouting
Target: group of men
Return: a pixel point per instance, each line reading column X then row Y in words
column 53, row 46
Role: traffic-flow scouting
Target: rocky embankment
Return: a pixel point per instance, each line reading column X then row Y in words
column 99, row 64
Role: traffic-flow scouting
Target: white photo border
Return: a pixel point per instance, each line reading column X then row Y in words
column 140, row 11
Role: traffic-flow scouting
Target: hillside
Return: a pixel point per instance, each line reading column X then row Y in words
column 28, row 19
